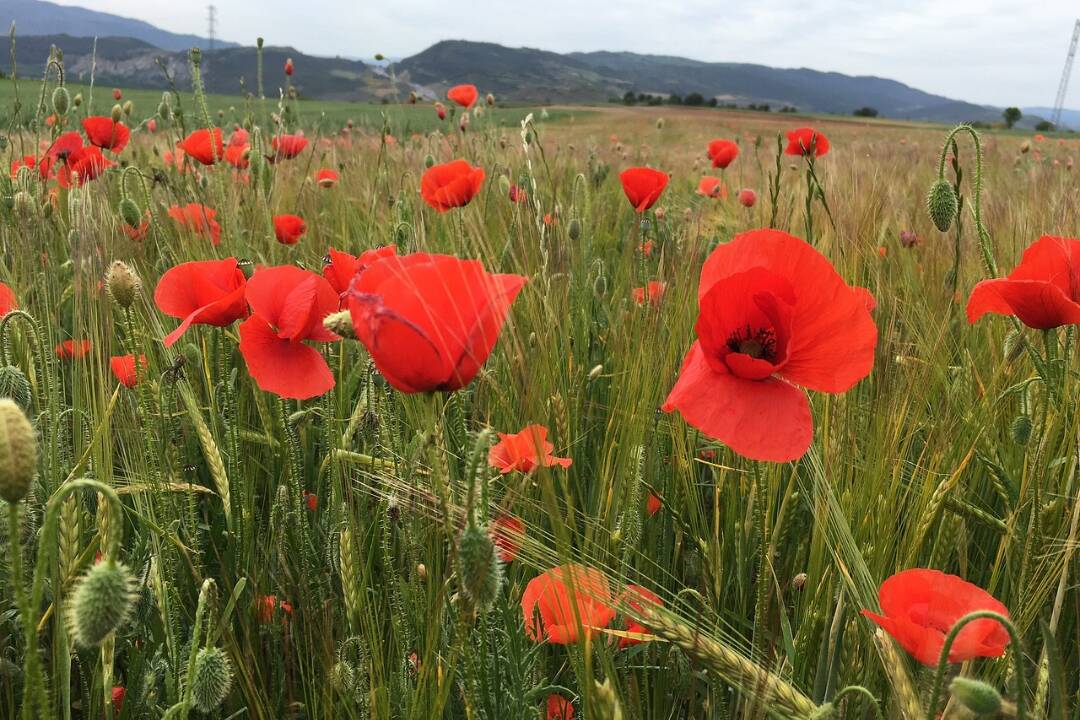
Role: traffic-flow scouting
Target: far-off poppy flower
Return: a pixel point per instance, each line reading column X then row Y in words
column 341, row 267
column 289, row 229
column 289, row 68
column 451, row 184
column 199, row 219
column 637, row 597
column 117, row 95
column 266, row 606
column 653, row 504
column 747, row 197
column 123, row 367
column 203, row 292
column 106, row 134
column 723, row 153
column 73, row 349
column 205, row 146
column 712, row 187
column 82, row 165
column 517, row 194
column 643, row 186
column 287, row 307
column 525, row 451
column 286, row 147
column 507, row 532
column 440, row 110
column 326, row 178
column 118, row 693
column 463, row 95
column 804, row 141
column 919, row 607
column 653, row 293
column 775, row 317
column 8, row 302
column 1043, row 291
column 554, row 602
column 559, row 708
column 430, row 321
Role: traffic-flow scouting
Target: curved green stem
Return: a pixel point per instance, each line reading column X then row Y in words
column 985, row 243
column 859, row 690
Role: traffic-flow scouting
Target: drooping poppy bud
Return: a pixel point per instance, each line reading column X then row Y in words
column 61, row 100
column 101, row 603
column 976, row 696
column 481, row 572
column 942, row 204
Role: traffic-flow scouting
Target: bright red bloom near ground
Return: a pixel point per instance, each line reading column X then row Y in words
column 636, row 597
column 8, row 301
column 747, row 197
column 775, row 317
column 204, row 292
column 507, row 532
column 643, row 186
column 118, row 693
column 723, row 153
column 562, row 596
column 286, row 147
column 73, row 349
column 326, row 178
column 525, row 451
column 343, row 267
column 123, row 367
column 199, row 219
column 451, row 184
column 919, row 607
column 117, row 95
column 205, row 147
column 430, row 321
column 289, row 229
column 653, row 504
column 712, row 187
column 106, row 134
column 1043, row 291
column 288, row 306
column 653, row 292
column 83, row 165
column 800, row 140
column 559, row 708
column 463, row 95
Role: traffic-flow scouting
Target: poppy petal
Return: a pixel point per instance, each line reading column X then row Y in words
column 284, row 367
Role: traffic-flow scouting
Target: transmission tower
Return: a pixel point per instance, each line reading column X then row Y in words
column 211, row 23
column 1063, row 86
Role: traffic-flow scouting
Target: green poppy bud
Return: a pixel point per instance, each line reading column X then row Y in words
column 101, row 603
column 15, row 385
column 975, row 695
column 18, row 451
column 211, row 679
column 61, row 100
column 481, row 572
column 942, row 204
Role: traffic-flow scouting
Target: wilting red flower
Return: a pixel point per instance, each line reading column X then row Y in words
column 636, row 596
column 654, row 291
column 204, row 292
column 289, row 229
column 1043, row 291
column 84, row 164
column 288, row 306
column 267, row 605
column 507, row 532
column 919, row 607
column 517, row 194
column 524, row 451
column 73, row 349
column 774, row 316
column 326, row 178
column 138, row 234
column 118, row 693
column 204, row 146
column 8, row 302
column 653, row 504
column 289, row 67
column 343, row 267
column 723, row 153
column 105, row 133
column 430, row 321
column 463, row 95
column 562, row 595
column 643, row 186
column 123, row 367
column 801, row 139
column 199, row 219
column 747, row 197
column 559, row 708
column 117, row 95
column 451, row 184
column 440, row 110
column 712, row 187
column 286, row 147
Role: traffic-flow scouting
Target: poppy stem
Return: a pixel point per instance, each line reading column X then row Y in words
column 985, row 243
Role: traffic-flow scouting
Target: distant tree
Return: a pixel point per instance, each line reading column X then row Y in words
column 789, row 109
column 865, row 111
column 674, row 99
column 629, row 98
column 1012, row 116
column 1044, row 126
column 712, row 102
column 642, row 97
column 695, row 99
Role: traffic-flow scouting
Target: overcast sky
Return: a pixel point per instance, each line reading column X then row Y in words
column 1003, row 52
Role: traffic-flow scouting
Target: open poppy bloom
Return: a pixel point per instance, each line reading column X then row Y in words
column 559, row 708
column 199, row 219
column 507, row 532
column 524, row 451
column 747, row 197
column 804, row 141
column 451, row 184
column 712, row 187
column 106, row 134
column 286, row 147
column 430, row 321
column 775, row 317
column 919, row 607
column 123, row 367
column 8, row 302
column 463, row 95
column 73, row 349
column 643, row 186
column 636, row 596
column 326, row 178
column 723, row 153
column 1043, row 291
column 343, row 267
column 205, row 147
column 204, row 292
column 239, row 156
column 64, row 145
column 287, row 307
column 561, row 597
column 82, row 165
column 653, row 292
column 289, row 229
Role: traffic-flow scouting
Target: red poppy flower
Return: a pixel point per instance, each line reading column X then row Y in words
column 73, row 349
column 524, row 451
column 774, row 316
column 117, row 95
column 440, row 110
column 563, row 595
column 239, row 156
column 8, row 301
column 286, row 147
column 919, row 607
column 27, row 161
column 289, row 229
column 507, row 532
column 288, row 306
column 106, row 134
column 123, row 367
column 723, row 153
column 205, row 147
column 64, row 145
column 289, row 68
column 517, row 194
column 643, row 186
column 326, row 178
column 463, row 95
column 151, row 125
column 118, row 693
column 451, row 184
column 343, row 267
column 653, row 504
column 83, row 165
column 747, row 197
column 801, row 140
column 636, row 596
column 138, row 234
column 199, row 219
column 311, row 500
column 559, row 708
column 204, row 292
column 654, row 291
column 1043, row 291
column 712, row 187
column 267, row 605
column 430, row 321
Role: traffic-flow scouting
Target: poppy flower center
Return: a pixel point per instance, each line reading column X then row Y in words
column 759, row 343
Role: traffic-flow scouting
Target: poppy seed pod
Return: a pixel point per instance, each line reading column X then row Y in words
column 127, row 107
column 117, row 113
column 101, row 603
column 61, row 100
column 211, row 679
column 77, row 100
column 130, row 213
column 481, row 573
column 340, row 323
column 942, row 204
column 18, row 451
column 976, row 696
column 429, row 160
column 122, row 284
column 14, row 385
column 574, row 229
column 490, row 100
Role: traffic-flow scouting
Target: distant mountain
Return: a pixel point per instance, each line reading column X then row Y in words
column 37, row 17
column 1070, row 119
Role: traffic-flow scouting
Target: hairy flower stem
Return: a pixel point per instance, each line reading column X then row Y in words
column 985, row 243
column 34, row 695
column 774, row 182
